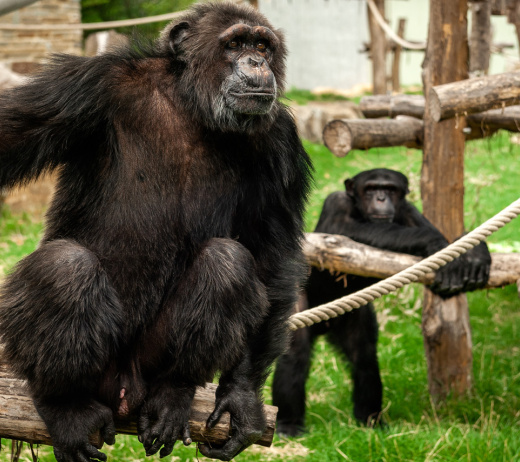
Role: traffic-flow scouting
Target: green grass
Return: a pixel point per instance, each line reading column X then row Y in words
column 299, row 96
column 483, row 426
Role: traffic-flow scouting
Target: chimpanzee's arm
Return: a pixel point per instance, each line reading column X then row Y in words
column 412, row 234
column 53, row 117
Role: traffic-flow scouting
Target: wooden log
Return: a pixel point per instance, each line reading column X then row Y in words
column 392, row 105
column 341, row 136
column 507, row 118
column 19, row 420
column 340, row 254
column 474, row 95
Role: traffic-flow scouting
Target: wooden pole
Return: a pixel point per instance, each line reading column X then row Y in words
column 513, row 15
column 19, row 419
column 445, row 323
column 480, row 40
column 396, row 81
column 378, row 50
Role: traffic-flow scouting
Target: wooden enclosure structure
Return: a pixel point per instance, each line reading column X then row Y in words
column 453, row 110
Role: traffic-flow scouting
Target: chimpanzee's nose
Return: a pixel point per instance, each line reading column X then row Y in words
column 256, row 62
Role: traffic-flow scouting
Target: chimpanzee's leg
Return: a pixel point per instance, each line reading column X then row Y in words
column 355, row 334
column 61, row 321
column 292, row 370
column 206, row 322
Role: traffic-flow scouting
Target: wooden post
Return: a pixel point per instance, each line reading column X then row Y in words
column 396, row 82
column 254, row 3
column 377, row 50
column 480, row 40
column 447, row 335
column 513, row 15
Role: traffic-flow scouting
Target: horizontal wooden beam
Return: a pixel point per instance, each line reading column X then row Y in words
column 341, row 254
column 474, row 95
column 19, row 419
column 392, row 105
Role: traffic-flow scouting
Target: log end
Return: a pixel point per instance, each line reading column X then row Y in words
column 337, row 138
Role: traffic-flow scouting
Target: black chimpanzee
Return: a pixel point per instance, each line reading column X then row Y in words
column 373, row 211
column 172, row 244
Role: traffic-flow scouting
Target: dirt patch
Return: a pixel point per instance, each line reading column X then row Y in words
column 33, row 198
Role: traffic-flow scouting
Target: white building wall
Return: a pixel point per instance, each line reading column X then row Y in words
column 324, row 38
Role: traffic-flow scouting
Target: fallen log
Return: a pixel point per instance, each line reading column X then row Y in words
column 474, row 95
column 341, row 136
column 19, row 419
column 341, row 254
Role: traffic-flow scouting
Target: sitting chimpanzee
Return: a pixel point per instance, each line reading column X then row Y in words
column 373, row 211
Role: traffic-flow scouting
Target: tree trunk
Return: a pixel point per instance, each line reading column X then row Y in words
column 480, row 42
column 447, row 335
column 378, row 50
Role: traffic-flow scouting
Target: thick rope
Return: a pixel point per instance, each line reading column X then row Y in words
column 407, row 276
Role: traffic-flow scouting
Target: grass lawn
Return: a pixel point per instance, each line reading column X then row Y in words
column 484, row 426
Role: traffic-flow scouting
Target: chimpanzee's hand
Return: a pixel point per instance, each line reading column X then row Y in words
column 70, row 427
column 468, row 272
column 164, row 418
column 247, row 420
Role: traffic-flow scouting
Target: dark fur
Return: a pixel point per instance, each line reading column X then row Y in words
column 373, row 210
column 171, row 249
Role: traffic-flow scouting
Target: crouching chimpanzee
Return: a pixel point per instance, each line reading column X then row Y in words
column 373, row 211
column 172, row 244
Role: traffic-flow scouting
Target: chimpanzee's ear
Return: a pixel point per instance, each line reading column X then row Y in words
column 349, row 186
column 177, row 35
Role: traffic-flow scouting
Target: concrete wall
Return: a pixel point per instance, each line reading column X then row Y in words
column 23, row 51
column 324, row 37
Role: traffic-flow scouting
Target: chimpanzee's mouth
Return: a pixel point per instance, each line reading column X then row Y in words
column 255, row 94
column 381, row 218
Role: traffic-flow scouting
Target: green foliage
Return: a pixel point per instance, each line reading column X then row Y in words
column 483, row 426
column 113, row 10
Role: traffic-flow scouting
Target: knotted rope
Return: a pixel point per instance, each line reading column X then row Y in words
column 407, row 276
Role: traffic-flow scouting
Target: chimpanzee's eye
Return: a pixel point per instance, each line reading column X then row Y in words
column 261, row 45
column 233, row 43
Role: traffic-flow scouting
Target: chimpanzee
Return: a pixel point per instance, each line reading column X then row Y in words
column 171, row 248
column 373, row 210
